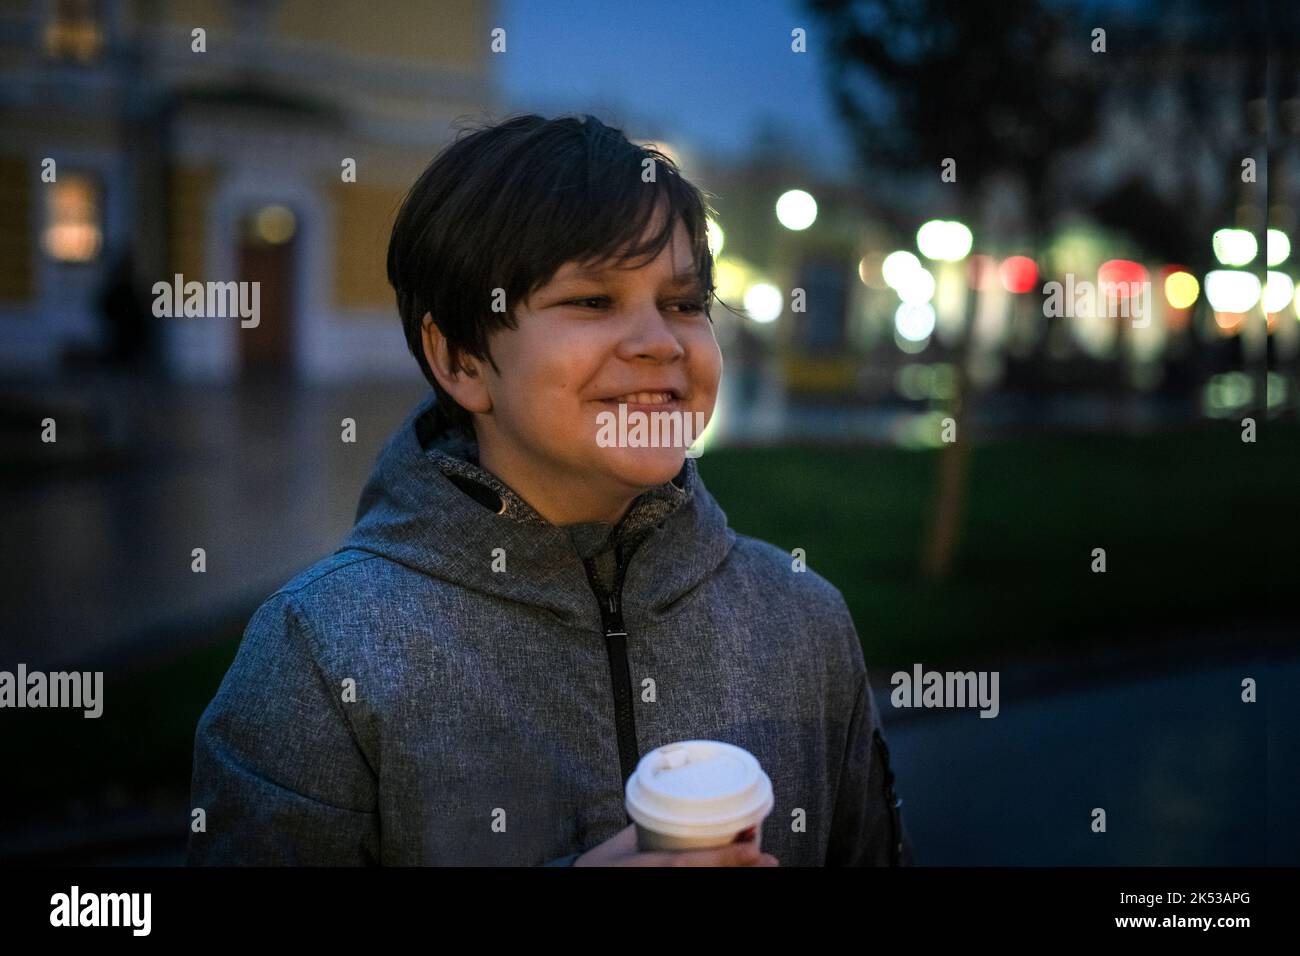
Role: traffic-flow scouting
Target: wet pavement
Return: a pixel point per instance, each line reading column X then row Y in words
column 98, row 560
column 1187, row 773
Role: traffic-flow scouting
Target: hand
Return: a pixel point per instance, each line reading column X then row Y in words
column 620, row 850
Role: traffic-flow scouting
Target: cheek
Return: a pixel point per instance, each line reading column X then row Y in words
column 706, row 363
column 549, row 374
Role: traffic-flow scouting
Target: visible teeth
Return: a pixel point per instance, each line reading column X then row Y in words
column 645, row 398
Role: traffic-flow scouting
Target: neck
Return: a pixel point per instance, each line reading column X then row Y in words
column 575, row 503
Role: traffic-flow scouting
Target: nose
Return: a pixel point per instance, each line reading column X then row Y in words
column 650, row 337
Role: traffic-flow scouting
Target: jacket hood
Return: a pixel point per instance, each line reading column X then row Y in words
column 430, row 506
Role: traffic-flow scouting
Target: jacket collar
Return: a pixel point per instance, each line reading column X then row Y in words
column 430, row 506
column 456, row 455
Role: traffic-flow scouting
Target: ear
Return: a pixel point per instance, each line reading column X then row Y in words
column 464, row 380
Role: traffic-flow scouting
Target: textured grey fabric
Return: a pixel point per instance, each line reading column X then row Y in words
column 482, row 728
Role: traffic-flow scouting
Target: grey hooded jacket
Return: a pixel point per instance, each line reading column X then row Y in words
column 464, row 683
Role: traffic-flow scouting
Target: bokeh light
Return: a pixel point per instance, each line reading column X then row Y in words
column 1231, row 291
column 898, row 267
column 1234, row 247
column 916, row 287
column 1121, row 272
column 1018, row 273
column 796, row 210
column 869, row 271
column 1278, row 290
column 716, row 237
column 944, row 240
column 763, row 302
column 914, row 321
column 275, row 224
column 1277, row 247
column 1181, row 289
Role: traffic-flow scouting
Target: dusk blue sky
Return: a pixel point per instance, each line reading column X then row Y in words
column 708, row 72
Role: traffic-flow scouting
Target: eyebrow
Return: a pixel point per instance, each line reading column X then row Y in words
column 680, row 281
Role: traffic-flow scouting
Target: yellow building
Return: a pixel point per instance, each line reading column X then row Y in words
column 224, row 140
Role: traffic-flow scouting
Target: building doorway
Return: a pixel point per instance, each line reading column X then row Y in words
column 267, row 243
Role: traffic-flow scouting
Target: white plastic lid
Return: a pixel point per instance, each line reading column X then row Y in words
column 698, row 788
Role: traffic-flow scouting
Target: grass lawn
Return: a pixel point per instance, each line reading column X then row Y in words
column 1197, row 526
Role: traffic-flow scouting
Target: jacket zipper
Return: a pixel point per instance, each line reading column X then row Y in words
column 892, row 800
column 611, row 616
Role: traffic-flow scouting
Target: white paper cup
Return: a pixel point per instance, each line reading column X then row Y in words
column 697, row 794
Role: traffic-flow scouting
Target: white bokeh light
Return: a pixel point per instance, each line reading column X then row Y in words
column 796, row 210
column 917, row 287
column 716, row 237
column 1277, row 247
column 1278, row 289
column 1234, row 247
column 944, row 239
column 763, row 302
column 1231, row 291
column 914, row 322
column 898, row 267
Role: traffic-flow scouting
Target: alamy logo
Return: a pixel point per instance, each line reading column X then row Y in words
column 946, row 689
column 637, row 429
column 210, row 300
column 1080, row 299
column 102, row 909
column 37, row 689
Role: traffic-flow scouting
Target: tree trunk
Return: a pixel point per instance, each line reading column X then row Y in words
column 948, row 509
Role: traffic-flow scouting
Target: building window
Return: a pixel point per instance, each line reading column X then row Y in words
column 74, row 228
column 75, row 31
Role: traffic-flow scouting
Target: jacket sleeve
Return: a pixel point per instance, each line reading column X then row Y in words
column 277, row 771
column 867, row 825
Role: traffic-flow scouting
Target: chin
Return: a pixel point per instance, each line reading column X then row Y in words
column 644, row 467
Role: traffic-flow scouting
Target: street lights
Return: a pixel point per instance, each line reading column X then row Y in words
column 796, row 210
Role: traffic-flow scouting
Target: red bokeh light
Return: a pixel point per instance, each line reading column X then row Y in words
column 1019, row 273
column 1122, row 273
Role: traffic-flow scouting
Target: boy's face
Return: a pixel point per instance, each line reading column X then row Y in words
column 585, row 342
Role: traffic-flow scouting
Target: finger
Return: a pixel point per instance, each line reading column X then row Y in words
column 734, row 854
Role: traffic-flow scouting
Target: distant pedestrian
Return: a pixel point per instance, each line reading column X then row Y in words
column 129, row 333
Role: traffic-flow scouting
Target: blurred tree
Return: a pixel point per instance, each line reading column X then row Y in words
column 1004, row 87
column 1011, row 88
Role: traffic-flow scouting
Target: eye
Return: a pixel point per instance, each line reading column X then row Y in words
column 689, row 307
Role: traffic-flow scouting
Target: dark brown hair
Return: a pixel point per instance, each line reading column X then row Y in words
column 505, row 206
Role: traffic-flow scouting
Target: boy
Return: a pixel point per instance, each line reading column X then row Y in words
column 522, row 610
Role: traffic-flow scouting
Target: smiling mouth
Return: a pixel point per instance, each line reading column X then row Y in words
column 643, row 398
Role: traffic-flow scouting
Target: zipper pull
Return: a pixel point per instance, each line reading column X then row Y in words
column 614, row 622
